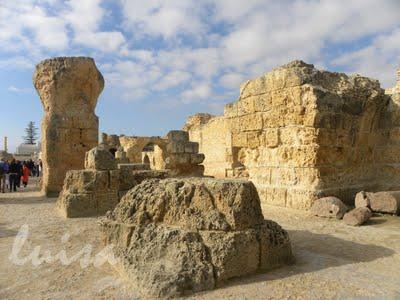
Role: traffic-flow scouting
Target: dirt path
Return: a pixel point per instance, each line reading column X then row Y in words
column 333, row 260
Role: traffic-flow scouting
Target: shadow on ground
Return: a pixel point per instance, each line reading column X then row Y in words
column 27, row 200
column 314, row 252
column 4, row 232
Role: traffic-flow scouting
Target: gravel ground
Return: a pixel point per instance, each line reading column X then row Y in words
column 333, row 260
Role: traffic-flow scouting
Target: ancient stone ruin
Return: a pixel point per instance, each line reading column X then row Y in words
column 299, row 134
column 176, row 236
column 68, row 88
column 92, row 191
column 173, row 152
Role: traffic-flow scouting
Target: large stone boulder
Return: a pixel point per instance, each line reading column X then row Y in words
column 99, row 158
column 175, row 236
column 383, row 202
column 329, row 207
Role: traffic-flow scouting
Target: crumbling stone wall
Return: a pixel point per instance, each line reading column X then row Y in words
column 68, row 88
column 301, row 133
column 174, row 152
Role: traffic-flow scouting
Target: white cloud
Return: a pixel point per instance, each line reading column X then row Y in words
column 197, row 92
column 163, row 18
column 17, row 90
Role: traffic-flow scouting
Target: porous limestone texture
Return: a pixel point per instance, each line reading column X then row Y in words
column 88, row 193
column 93, row 191
column 100, row 158
column 175, row 236
column 357, row 216
column 300, row 134
column 68, row 88
column 329, row 207
column 383, row 202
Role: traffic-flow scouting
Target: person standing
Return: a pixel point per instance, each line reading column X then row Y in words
column 25, row 174
column 14, row 171
column 2, row 175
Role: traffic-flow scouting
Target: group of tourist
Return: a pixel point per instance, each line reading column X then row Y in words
column 15, row 172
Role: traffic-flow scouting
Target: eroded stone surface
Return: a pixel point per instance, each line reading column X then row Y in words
column 175, row 236
column 100, row 158
column 88, row 193
column 329, row 207
column 383, row 202
column 357, row 216
column 68, row 88
column 299, row 134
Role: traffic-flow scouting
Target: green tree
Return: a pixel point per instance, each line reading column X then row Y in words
column 31, row 133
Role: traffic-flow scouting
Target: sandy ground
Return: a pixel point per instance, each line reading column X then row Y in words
column 334, row 261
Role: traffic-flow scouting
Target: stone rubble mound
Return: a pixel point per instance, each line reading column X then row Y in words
column 180, row 235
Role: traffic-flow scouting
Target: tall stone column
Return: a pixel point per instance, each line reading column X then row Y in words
column 68, row 88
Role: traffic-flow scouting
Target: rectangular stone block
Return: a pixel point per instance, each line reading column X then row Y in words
column 191, row 147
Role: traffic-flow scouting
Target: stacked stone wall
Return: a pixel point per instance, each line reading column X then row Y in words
column 301, row 133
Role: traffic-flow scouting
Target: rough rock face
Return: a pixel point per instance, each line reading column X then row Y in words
column 100, row 158
column 174, row 236
column 302, row 134
column 93, row 191
column 68, row 88
column 183, row 156
column 88, row 193
column 329, row 207
column 357, row 216
column 383, row 202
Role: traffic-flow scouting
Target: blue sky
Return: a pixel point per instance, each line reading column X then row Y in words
column 166, row 59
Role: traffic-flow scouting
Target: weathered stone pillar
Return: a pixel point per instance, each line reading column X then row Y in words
column 68, row 88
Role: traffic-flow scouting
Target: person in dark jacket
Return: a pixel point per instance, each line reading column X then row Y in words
column 14, row 171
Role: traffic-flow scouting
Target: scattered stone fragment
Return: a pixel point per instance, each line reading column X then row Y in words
column 329, row 207
column 383, row 202
column 357, row 216
column 362, row 200
column 175, row 236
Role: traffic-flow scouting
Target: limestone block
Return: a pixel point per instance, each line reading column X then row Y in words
column 191, row 147
column 89, row 193
column 68, row 88
column 76, row 205
column 100, row 158
column 329, row 207
column 357, row 216
column 197, row 158
column 228, row 256
column 194, row 203
column 176, row 236
column 385, row 202
column 133, row 166
column 176, row 147
column 178, row 135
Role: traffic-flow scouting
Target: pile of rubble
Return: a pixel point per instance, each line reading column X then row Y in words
column 366, row 204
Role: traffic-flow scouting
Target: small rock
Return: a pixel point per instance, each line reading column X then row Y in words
column 329, row 207
column 357, row 216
